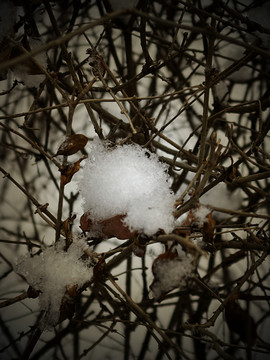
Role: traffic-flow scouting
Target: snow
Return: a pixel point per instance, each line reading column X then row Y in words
column 171, row 273
column 50, row 272
column 200, row 214
column 129, row 181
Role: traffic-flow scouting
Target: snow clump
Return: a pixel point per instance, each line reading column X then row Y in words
column 171, row 273
column 51, row 272
column 128, row 180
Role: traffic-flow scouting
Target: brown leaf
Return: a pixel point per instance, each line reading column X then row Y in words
column 68, row 172
column 85, row 222
column 72, row 144
column 189, row 219
column 72, row 290
column 66, row 226
column 208, row 229
column 111, row 227
column 114, row 226
column 164, row 258
column 239, row 321
column 167, row 255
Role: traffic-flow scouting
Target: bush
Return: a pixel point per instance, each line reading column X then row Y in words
column 135, row 189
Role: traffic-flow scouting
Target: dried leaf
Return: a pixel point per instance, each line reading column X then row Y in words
column 240, row 321
column 167, row 255
column 66, row 226
column 111, row 227
column 85, row 222
column 68, row 172
column 189, row 220
column 72, row 290
column 114, row 226
column 208, row 229
column 72, row 144
column 158, row 281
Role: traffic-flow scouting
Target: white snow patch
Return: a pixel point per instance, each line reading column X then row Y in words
column 171, row 273
column 200, row 214
column 50, row 272
column 128, row 181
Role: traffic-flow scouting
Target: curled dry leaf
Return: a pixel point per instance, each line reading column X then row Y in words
column 160, row 286
column 111, row 227
column 72, row 144
column 85, row 222
column 66, row 226
column 171, row 270
column 240, row 321
column 68, row 172
column 168, row 255
column 208, row 229
column 115, row 226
